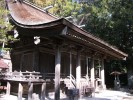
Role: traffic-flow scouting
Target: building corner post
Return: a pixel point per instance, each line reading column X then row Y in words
column 57, row 72
column 78, row 71
column 103, row 74
column 92, row 72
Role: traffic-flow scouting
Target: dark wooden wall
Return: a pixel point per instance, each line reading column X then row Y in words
column 27, row 62
column 83, row 67
column 22, row 62
column 16, row 60
column 46, row 63
column 65, row 63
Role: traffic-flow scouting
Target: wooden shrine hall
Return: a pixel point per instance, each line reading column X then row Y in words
column 53, row 55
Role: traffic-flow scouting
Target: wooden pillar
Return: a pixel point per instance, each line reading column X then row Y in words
column 70, row 67
column 30, row 91
column 57, row 73
column 43, row 91
column 87, row 71
column 87, row 67
column 8, row 88
column 92, row 72
column 103, row 74
column 78, row 70
column 20, row 91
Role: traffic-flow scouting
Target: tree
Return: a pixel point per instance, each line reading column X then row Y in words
column 112, row 20
column 5, row 26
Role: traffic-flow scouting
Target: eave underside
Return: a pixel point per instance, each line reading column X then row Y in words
column 70, row 37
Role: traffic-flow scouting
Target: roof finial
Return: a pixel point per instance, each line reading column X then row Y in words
column 47, row 8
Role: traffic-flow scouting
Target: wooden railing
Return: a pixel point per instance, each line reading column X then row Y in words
column 29, row 76
column 22, row 76
column 51, row 76
column 72, row 81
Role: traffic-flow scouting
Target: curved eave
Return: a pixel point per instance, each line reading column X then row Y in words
column 31, row 17
column 28, row 14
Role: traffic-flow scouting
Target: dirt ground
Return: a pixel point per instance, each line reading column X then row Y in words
column 102, row 95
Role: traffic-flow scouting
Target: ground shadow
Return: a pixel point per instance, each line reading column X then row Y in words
column 85, row 98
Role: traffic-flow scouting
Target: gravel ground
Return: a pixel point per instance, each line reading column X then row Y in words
column 103, row 95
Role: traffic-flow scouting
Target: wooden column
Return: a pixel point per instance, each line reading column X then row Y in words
column 70, row 67
column 30, row 91
column 103, row 74
column 8, row 88
column 57, row 73
column 20, row 91
column 78, row 71
column 87, row 71
column 92, row 72
column 87, row 67
column 43, row 91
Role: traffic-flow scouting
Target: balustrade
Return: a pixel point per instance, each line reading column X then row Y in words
column 23, row 76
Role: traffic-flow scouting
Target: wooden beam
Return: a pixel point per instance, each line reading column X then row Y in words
column 20, row 91
column 57, row 73
column 64, row 31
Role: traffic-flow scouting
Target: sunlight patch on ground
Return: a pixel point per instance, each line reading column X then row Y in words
column 103, row 95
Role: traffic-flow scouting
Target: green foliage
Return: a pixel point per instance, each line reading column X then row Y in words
column 61, row 8
column 64, row 8
column 5, row 26
column 112, row 20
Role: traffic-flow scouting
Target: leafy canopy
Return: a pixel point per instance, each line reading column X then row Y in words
column 5, row 26
column 112, row 20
